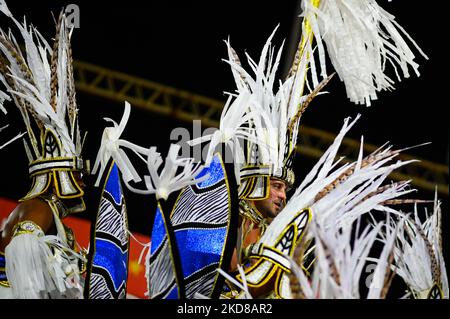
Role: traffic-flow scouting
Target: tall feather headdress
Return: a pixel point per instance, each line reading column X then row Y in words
column 276, row 117
column 39, row 80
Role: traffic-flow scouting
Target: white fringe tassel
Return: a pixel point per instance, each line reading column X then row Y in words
column 34, row 272
column 360, row 38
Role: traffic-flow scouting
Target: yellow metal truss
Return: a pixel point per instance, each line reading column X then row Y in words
column 187, row 106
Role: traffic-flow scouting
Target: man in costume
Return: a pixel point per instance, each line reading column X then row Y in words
column 38, row 253
column 254, row 217
column 329, row 203
column 220, row 219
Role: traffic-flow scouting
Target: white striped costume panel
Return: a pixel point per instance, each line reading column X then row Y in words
column 161, row 270
column 107, row 221
column 209, row 208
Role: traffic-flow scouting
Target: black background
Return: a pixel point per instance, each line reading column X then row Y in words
column 180, row 44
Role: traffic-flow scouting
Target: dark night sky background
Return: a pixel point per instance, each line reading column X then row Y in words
column 180, row 44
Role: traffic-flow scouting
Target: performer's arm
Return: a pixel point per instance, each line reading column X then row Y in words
column 256, row 292
column 34, row 210
column 28, row 256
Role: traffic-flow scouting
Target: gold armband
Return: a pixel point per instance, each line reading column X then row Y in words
column 27, row 227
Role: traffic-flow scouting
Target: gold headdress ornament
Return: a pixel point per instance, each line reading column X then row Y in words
column 40, row 82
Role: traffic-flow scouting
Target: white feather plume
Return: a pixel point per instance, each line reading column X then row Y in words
column 30, row 74
column 352, row 197
column 232, row 131
column 110, row 147
column 271, row 110
column 418, row 248
column 162, row 182
column 11, row 140
column 341, row 260
column 3, row 97
column 379, row 286
column 347, row 259
column 339, row 197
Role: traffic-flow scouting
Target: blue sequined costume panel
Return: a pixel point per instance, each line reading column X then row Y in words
column 3, row 278
column 200, row 219
column 162, row 276
column 199, row 247
column 109, row 266
column 216, row 173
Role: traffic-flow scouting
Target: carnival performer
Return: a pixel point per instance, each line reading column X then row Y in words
column 231, row 219
column 254, row 217
column 329, row 202
column 39, row 256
